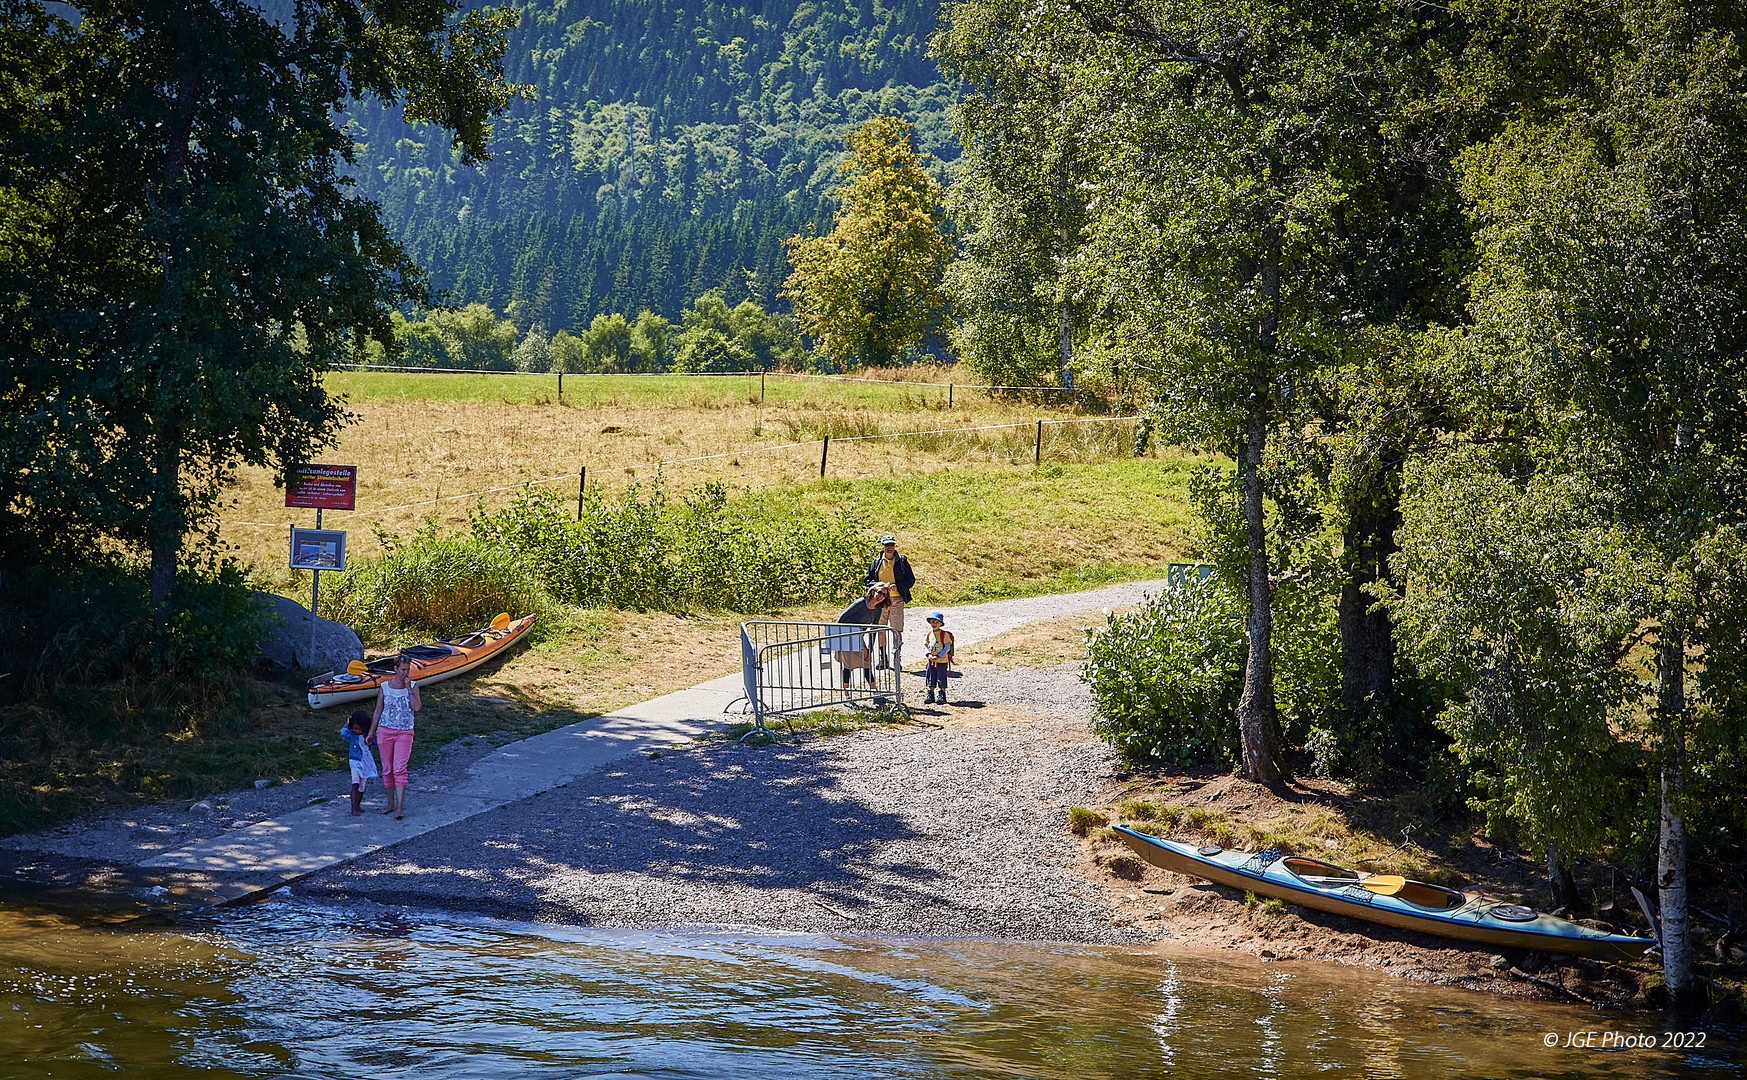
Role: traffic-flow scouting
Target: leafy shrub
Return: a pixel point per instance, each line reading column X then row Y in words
column 616, row 555
column 1165, row 678
column 641, row 551
column 436, row 586
column 94, row 697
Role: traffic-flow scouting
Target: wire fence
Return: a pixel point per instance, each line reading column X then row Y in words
column 824, row 443
column 771, row 373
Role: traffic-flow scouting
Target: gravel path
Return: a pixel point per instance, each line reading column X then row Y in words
column 953, row 830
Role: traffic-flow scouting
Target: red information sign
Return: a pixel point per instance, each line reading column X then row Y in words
column 323, row 487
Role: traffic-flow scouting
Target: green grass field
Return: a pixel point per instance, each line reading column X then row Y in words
column 978, row 519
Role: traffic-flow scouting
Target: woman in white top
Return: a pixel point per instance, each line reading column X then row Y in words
column 391, row 730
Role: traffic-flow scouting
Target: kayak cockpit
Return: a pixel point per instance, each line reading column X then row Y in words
column 1318, row 874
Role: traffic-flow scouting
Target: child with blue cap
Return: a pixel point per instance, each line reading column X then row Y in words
column 938, row 645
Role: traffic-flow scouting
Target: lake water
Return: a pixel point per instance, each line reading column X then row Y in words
column 289, row 988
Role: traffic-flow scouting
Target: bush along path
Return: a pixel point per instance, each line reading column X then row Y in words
column 222, row 866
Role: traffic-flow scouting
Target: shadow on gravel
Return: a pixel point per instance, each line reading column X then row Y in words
column 718, row 818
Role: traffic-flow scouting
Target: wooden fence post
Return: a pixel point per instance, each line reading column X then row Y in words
column 824, row 452
column 561, row 388
column 581, row 485
column 1039, row 460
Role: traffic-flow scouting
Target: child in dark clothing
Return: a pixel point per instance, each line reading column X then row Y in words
column 358, row 755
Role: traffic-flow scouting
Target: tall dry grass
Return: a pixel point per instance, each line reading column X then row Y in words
column 426, row 444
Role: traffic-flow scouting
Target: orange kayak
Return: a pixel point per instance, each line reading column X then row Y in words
column 430, row 663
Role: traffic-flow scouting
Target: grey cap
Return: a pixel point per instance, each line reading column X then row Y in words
column 888, row 539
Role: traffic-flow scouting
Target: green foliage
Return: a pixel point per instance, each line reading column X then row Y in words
column 435, row 586
column 715, row 337
column 1082, row 821
column 80, row 629
column 668, row 151
column 92, row 686
column 221, row 264
column 1164, row 679
column 1019, row 194
column 712, row 337
column 1527, row 594
column 467, row 337
column 869, row 290
column 640, row 551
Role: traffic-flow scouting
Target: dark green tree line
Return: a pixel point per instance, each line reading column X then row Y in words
column 670, row 150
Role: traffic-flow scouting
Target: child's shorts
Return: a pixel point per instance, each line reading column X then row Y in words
column 362, row 773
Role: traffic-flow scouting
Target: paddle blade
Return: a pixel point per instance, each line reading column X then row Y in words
column 502, row 620
column 1384, row 884
column 356, row 667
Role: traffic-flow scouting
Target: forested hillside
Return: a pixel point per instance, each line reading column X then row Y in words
column 669, row 149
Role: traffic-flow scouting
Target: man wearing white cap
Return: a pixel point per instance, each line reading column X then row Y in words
column 891, row 568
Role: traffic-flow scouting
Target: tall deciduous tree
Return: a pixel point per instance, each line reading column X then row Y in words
column 190, row 260
column 869, row 290
column 1018, row 196
column 1608, row 320
column 1261, row 188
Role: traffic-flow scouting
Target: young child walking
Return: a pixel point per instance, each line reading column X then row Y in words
column 363, row 762
column 938, row 646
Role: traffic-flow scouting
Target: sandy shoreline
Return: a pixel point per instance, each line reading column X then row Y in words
column 954, row 826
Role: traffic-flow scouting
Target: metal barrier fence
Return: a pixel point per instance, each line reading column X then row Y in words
column 790, row 667
column 1179, row 574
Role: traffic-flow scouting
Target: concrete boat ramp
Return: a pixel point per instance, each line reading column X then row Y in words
column 246, row 863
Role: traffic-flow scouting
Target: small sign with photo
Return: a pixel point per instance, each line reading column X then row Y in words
column 318, row 549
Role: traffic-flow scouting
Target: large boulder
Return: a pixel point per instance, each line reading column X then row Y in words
column 288, row 641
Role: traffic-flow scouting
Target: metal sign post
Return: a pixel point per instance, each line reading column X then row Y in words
column 314, row 596
column 323, row 487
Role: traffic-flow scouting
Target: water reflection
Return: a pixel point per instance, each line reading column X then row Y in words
column 289, row 988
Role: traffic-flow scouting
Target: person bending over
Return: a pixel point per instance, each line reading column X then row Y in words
column 851, row 650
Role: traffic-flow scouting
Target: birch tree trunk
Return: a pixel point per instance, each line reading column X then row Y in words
column 1671, row 846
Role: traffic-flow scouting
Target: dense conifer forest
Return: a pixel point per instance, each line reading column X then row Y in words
column 666, row 150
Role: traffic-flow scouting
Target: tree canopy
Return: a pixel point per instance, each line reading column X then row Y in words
column 184, row 257
column 869, row 290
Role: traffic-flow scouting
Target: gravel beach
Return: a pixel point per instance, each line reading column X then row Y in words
column 951, row 827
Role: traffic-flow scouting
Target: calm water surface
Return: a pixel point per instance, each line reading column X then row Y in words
column 295, row 989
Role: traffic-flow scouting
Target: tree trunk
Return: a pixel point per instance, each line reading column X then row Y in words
column 1671, row 848
column 165, row 529
column 1065, row 327
column 1256, row 717
column 1367, row 631
column 1560, row 883
column 166, row 524
column 1064, row 311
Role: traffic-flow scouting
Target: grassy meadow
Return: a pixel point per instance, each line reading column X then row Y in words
column 978, row 519
column 970, row 507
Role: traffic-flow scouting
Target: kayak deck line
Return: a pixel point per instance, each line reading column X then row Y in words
column 1399, row 902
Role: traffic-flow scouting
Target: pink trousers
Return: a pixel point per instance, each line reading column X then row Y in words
column 395, row 745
